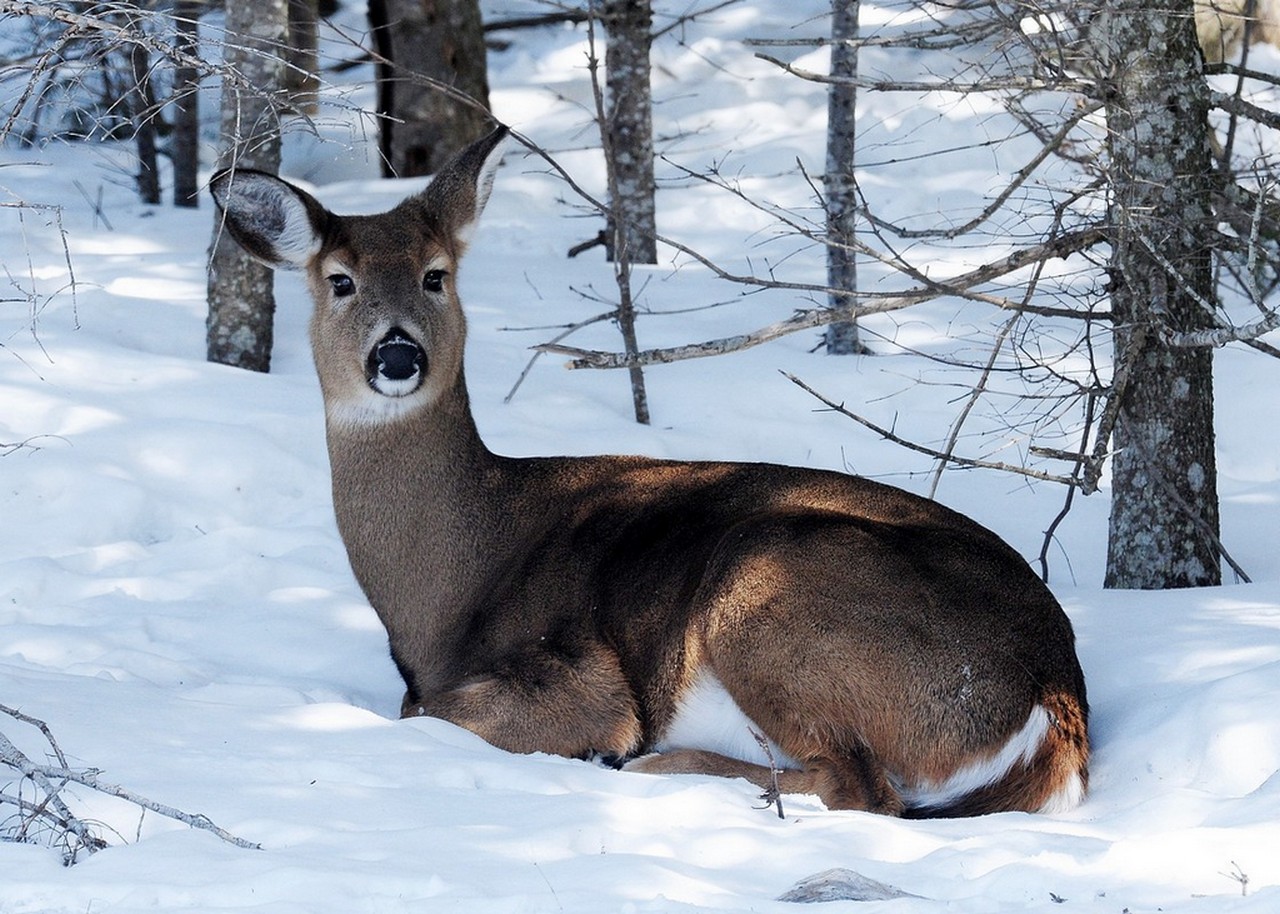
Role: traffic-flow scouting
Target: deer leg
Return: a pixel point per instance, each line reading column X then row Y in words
column 855, row 781
column 574, row 703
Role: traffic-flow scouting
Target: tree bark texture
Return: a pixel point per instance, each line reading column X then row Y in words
column 841, row 337
column 443, row 40
column 1164, row 507
column 241, row 300
column 633, row 221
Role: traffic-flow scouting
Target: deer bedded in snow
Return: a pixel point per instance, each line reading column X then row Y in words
column 897, row 656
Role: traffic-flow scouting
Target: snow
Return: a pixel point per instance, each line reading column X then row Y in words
column 176, row 604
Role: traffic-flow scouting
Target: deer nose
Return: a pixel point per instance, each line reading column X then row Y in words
column 396, row 365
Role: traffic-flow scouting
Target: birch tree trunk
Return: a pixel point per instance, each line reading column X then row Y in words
column 841, row 338
column 241, row 299
column 629, row 36
column 1164, row 505
column 442, row 40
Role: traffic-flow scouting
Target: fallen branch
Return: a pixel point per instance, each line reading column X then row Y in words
column 49, row 810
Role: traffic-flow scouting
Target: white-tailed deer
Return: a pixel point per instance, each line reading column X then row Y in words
column 898, row 656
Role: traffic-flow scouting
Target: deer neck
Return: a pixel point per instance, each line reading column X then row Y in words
column 443, row 509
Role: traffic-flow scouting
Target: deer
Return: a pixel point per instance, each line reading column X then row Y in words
column 810, row 631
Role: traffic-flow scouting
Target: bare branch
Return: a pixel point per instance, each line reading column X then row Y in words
column 1124, row 362
column 1061, row 246
column 975, row 395
column 1233, row 104
column 692, row 16
column 1051, row 145
column 992, row 84
column 931, row 452
column 1220, row 335
column 565, row 332
column 1078, row 458
column 52, row 804
column 618, row 223
column 944, row 37
column 1234, row 69
column 95, row 22
column 525, row 22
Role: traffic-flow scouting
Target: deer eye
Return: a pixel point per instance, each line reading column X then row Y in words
column 342, row 284
column 434, row 280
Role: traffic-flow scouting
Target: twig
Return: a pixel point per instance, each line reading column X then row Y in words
column 567, row 331
column 12, row 447
column 974, row 395
column 1222, row 333
column 931, row 452
column 195, row 820
column 96, row 206
column 1079, row 462
column 773, row 793
column 1240, row 876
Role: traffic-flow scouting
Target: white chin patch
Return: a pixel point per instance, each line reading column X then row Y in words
column 371, row 408
column 396, row 387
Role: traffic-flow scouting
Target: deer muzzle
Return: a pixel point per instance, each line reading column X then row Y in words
column 396, row 365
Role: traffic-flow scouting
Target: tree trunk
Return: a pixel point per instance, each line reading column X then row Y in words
column 186, row 107
column 442, row 40
column 241, row 300
column 841, row 337
column 1164, row 504
column 628, row 29
column 301, row 77
column 144, row 124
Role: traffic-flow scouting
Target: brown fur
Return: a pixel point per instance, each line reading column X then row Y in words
column 567, row 604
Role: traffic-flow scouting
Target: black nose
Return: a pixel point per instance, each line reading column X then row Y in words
column 396, row 358
column 399, row 357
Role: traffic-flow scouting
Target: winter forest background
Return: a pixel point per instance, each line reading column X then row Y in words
column 1045, row 235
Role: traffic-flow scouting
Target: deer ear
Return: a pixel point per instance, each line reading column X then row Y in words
column 279, row 224
column 459, row 192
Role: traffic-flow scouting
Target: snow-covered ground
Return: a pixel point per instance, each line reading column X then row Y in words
column 176, row 603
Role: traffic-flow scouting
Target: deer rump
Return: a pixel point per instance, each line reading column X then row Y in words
column 892, row 654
